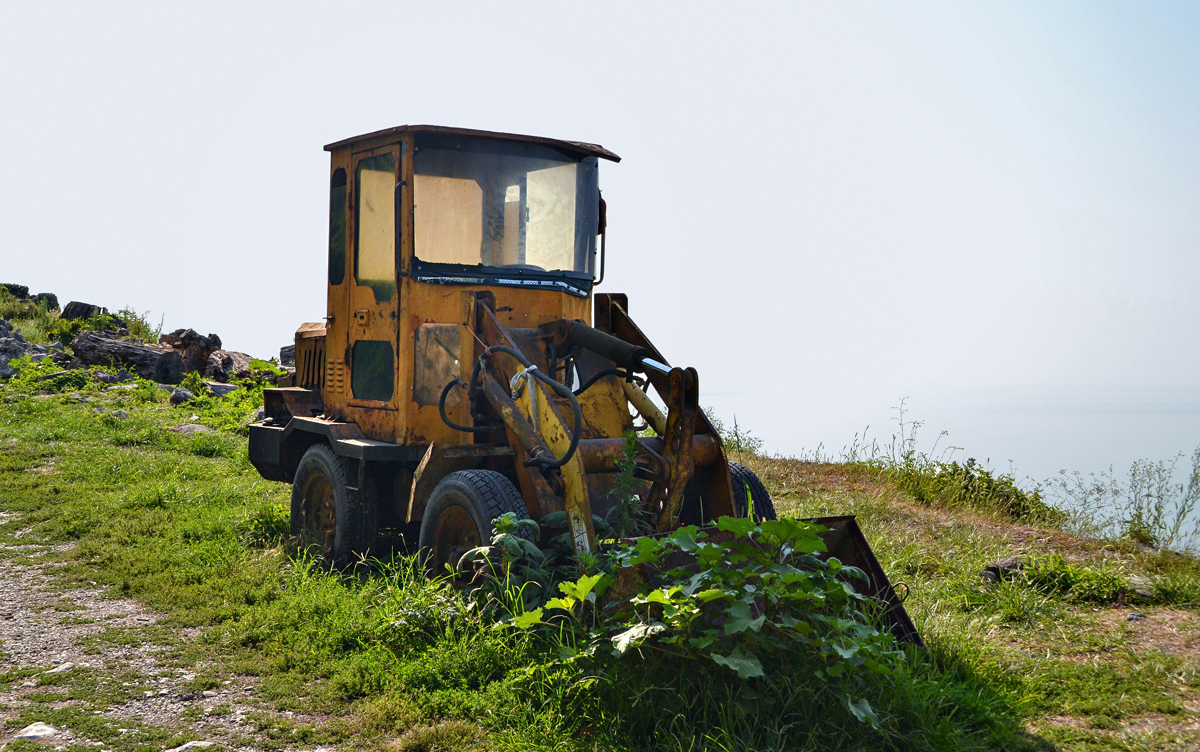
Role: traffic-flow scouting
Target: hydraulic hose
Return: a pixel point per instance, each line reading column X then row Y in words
column 446, row 418
column 473, row 389
column 606, row 372
column 563, row 391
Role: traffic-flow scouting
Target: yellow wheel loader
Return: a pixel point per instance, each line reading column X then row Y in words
column 466, row 368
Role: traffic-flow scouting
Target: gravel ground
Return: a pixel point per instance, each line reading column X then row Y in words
column 44, row 627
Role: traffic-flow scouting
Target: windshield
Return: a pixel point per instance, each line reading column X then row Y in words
column 513, row 207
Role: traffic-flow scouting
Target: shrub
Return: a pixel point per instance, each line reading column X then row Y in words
column 971, row 485
column 754, row 602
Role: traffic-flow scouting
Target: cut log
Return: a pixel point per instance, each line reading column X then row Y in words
column 107, row 349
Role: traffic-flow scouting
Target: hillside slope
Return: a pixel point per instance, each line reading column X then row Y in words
column 110, row 511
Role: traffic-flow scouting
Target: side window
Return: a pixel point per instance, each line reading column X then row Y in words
column 337, row 227
column 375, row 225
column 373, row 370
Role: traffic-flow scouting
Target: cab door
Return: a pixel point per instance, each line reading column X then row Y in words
column 373, row 303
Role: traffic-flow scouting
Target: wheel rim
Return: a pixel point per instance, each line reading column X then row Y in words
column 319, row 510
column 453, row 535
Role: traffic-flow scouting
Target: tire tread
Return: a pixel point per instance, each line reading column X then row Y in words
column 742, row 477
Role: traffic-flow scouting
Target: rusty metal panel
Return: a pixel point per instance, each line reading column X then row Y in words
column 282, row 404
column 440, row 460
column 437, row 352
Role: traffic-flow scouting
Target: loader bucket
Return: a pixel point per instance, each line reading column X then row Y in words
column 847, row 544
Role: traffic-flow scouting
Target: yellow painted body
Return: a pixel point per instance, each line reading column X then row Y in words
column 433, row 333
column 353, row 314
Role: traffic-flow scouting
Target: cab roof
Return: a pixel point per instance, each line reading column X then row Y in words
column 573, row 147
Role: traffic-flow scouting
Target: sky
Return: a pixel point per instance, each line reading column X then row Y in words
column 822, row 207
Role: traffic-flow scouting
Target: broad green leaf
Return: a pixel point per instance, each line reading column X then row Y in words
column 566, row 604
column 684, row 538
column 645, row 551
column 856, row 573
column 745, row 664
column 739, row 525
column 581, row 588
column 662, row 595
column 634, row 636
column 555, row 519
column 738, row 618
column 711, row 594
column 528, row 619
column 835, row 670
column 798, row 536
column 863, row 711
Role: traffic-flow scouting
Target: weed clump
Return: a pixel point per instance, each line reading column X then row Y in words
column 1093, row 584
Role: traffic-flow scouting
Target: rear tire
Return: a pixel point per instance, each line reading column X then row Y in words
column 459, row 515
column 327, row 513
column 743, row 478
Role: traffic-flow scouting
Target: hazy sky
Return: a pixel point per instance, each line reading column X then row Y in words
column 822, row 207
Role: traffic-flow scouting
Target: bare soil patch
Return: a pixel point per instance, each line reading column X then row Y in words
column 43, row 628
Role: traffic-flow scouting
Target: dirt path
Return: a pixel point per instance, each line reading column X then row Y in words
column 107, row 648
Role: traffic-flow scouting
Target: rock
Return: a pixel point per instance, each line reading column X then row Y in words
column 169, row 367
column 1135, row 617
column 61, row 668
column 5, row 328
column 77, row 310
column 37, row 730
column 104, row 377
column 1140, row 588
column 287, row 355
column 54, row 375
column 98, row 410
column 179, row 396
column 120, row 414
column 123, row 375
column 49, row 298
column 107, row 349
column 224, row 365
column 11, row 348
column 193, row 347
column 190, row 746
column 220, row 389
column 1005, row 569
column 188, row 429
column 7, row 371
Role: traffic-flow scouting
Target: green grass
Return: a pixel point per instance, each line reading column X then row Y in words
column 379, row 656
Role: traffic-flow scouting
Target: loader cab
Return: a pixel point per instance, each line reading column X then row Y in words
column 422, row 219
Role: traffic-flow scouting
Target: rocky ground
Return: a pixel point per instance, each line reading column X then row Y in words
column 81, row 648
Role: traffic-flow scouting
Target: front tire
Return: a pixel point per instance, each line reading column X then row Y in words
column 327, row 514
column 742, row 479
column 459, row 514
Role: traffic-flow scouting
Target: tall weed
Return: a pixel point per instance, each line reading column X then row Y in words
column 1149, row 508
